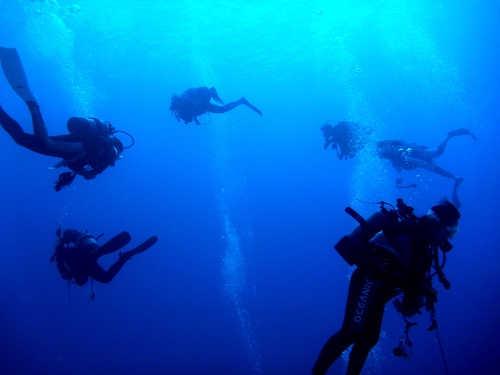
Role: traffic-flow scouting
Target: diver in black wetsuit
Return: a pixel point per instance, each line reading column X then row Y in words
column 409, row 156
column 76, row 255
column 404, row 155
column 396, row 260
column 196, row 101
column 88, row 149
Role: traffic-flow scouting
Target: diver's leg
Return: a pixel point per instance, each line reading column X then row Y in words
column 40, row 131
column 26, row 140
column 98, row 273
column 440, row 149
column 454, row 196
column 371, row 332
column 443, row 172
column 39, row 128
column 461, row 131
column 431, row 167
column 15, row 130
column 333, row 348
column 229, row 106
column 215, row 96
column 454, row 133
column 114, row 244
column 359, row 353
column 351, row 326
column 214, row 108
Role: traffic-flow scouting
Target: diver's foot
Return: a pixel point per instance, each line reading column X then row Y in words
column 462, row 131
column 139, row 249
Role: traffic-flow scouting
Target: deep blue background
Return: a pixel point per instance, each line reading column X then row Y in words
column 244, row 279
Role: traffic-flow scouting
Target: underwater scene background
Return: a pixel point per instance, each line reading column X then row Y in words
column 244, row 278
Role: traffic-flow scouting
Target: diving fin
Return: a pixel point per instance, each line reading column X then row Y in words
column 253, row 108
column 141, row 248
column 14, row 72
column 116, row 243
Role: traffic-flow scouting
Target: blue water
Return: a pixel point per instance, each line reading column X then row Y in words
column 244, row 278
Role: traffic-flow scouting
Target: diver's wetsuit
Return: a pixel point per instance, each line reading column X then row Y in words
column 76, row 255
column 361, row 325
column 62, row 146
column 404, row 155
column 196, row 101
column 86, row 157
column 77, row 262
column 371, row 286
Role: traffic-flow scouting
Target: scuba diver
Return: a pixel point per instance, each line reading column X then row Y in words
column 404, row 155
column 76, row 255
column 88, row 149
column 409, row 156
column 346, row 138
column 396, row 254
column 196, row 102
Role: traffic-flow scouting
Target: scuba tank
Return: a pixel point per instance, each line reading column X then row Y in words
column 366, row 239
column 354, row 246
column 89, row 126
column 87, row 242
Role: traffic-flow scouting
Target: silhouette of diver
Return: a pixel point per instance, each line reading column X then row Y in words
column 402, row 258
column 196, row 102
column 346, row 138
column 76, row 255
column 409, row 156
column 88, row 149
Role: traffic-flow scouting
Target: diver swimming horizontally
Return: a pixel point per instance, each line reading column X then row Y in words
column 196, row 102
column 88, row 149
column 408, row 156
